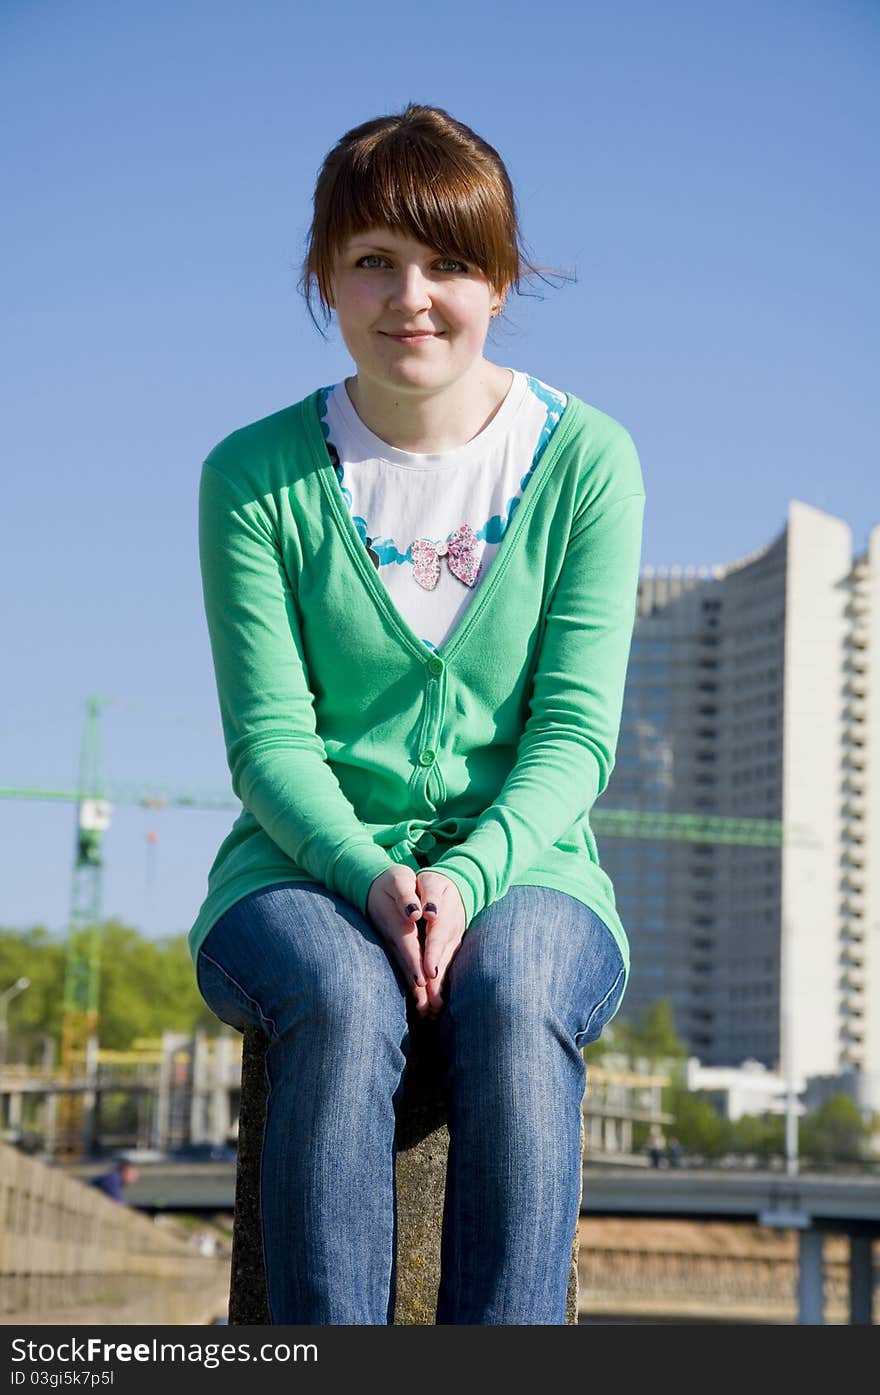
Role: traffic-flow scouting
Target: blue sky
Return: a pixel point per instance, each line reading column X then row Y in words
column 707, row 173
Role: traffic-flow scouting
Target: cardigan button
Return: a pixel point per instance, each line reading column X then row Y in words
column 427, row 757
column 435, row 665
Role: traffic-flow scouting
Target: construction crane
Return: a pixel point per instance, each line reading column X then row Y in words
column 95, row 801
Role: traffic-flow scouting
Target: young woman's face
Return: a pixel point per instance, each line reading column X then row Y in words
column 385, row 283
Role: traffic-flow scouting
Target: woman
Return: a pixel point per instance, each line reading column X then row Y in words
column 420, row 589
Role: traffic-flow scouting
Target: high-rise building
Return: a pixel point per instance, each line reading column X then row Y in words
column 753, row 691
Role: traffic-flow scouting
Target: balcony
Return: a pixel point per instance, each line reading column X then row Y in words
column 854, row 758
column 857, row 662
column 852, row 857
column 852, row 937
column 856, row 685
column 853, row 903
column 851, row 1032
column 852, row 981
column 852, row 883
column 853, row 784
column 855, row 709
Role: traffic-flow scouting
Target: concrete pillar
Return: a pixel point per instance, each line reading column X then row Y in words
column 16, row 1113
column 161, row 1115
column 861, row 1281
column 89, row 1136
column 219, row 1114
column 420, row 1177
column 50, row 1121
column 197, row 1129
column 595, row 1121
column 811, row 1278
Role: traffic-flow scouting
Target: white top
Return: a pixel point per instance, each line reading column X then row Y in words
column 433, row 523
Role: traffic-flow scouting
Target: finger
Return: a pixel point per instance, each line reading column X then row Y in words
column 407, row 903
column 430, row 912
column 432, row 949
column 431, row 889
column 436, row 987
column 438, row 956
column 433, row 958
column 409, row 956
column 401, row 890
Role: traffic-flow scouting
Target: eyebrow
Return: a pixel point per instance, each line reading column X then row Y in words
column 376, row 247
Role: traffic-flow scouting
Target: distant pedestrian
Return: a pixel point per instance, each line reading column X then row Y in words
column 675, row 1153
column 114, row 1182
column 205, row 1242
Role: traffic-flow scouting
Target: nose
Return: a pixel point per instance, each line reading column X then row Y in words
column 410, row 291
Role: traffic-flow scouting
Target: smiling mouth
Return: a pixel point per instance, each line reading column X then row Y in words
column 413, row 338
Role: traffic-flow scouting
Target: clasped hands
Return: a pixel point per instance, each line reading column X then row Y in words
column 399, row 899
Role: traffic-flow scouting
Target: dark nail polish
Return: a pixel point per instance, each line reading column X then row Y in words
column 429, row 906
column 411, row 907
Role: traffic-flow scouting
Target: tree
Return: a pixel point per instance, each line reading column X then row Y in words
column 146, row 986
column 652, row 1035
column 697, row 1125
column 761, row 1135
column 36, row 1012
column 835, row 1132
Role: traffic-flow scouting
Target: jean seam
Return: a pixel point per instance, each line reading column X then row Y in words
column 244, row 993
column 599, row 1006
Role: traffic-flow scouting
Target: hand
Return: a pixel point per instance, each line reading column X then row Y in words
column 444, row 917
column 394, row 907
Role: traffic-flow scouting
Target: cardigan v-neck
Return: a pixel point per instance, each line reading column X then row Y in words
column 329, row 480
column 350, row 743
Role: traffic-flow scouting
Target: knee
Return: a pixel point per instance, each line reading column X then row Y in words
column 360, row 1004
column 489, row 1000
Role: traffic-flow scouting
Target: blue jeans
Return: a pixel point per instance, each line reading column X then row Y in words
column 537, row 976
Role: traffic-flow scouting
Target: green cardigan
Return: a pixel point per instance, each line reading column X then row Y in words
column 350, row 742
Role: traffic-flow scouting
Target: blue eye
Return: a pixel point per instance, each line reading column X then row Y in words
column 375, row 256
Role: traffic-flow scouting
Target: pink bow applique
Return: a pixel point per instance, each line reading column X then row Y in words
column 460, row 551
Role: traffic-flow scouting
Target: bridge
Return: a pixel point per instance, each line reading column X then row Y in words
column 812, row 1204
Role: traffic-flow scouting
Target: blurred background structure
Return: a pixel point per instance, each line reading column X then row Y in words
column 754, row 690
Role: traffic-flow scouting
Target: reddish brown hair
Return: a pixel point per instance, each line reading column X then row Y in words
column 423, row 173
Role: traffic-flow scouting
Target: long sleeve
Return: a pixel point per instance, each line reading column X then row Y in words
column 567, row 749
column 278, row 762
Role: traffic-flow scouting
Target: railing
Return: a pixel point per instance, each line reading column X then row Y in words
column 70, row 1254
column 765, row 1287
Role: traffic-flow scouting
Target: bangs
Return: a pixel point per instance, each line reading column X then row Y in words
column 411, row 188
